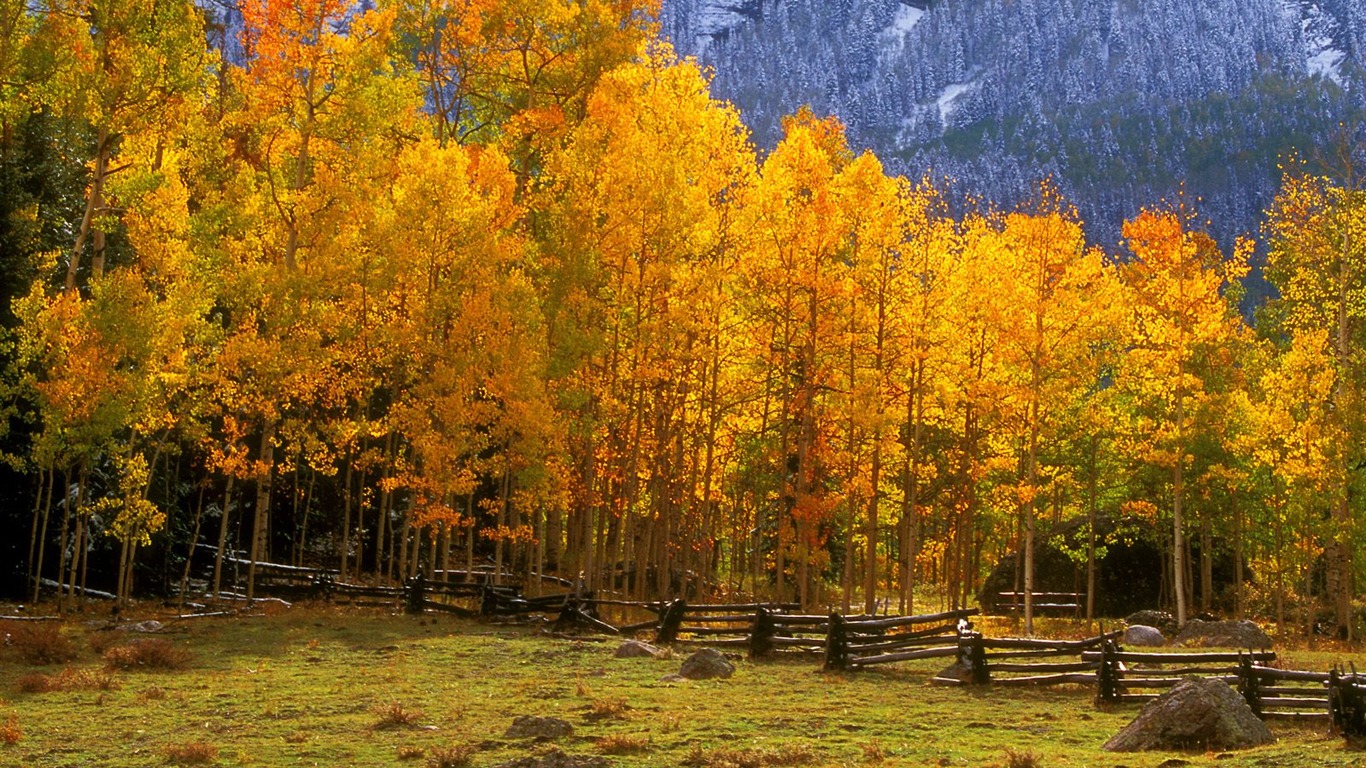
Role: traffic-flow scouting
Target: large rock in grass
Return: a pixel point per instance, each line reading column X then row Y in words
column 1143, row 636
column 706, row 664
column 1160, row 620
column 1222, row 634
column 540, row 728
column 635, row 649
column 1198, row 713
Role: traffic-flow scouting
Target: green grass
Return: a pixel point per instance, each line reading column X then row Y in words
column 331, row 688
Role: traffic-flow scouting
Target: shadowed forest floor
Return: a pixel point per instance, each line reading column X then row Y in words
column 328, row 687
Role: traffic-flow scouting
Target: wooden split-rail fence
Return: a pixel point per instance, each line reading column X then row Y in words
column 858, row 642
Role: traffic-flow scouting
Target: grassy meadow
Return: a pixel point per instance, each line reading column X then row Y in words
column 332, row 687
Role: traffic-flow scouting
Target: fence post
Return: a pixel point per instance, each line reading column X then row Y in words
column 323, row 585
column 972, row 653
column 670, row 621
column 488, row 600
column 415, row 595
column 761, row 634
column 1249, row 683
column 836, row 643
column 1107, row 676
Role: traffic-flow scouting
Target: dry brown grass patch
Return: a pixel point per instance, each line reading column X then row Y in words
column 39, row 643
column 69, row 680
column 451, row 757
column 1022, row 759
column 410, row 752
column 873, row 752
column 191, row 753
column 623, row 745
column 10, row 732
column 609, row 708
column 395, row 715
column 153, row 653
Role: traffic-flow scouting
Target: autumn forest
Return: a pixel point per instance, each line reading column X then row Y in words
column 450, row 283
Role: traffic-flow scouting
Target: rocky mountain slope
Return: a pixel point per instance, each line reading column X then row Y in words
column 1121, row 101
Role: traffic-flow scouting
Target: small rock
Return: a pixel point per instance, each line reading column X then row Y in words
column 1198, row 713
column 1143, row 636
column 635, row 649
column 672, row 679
column 957, row 671
column 532, row 727
column 1222, row 634
column 706, row 664
column 151, row 625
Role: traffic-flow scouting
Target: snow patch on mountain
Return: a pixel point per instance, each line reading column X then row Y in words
column 1321, row 32
column 903, row 21
column 948, row 96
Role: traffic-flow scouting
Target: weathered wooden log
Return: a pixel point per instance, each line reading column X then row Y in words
column 890, row 622
column 725, row 642
column 1077, row 666
column 816, row 643
column 864, row 649
column 737, row 618
column 1270, row 673
column 1057, row 679
column 1067, row 645
column 714, row 608
column 1296, row 701
column 1134, row 657
column 1296, row 716
column 1168, row 682
column 888, row 658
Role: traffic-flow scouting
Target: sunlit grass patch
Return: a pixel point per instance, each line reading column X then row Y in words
column 719, row 757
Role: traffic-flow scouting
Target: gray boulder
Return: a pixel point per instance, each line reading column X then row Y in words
column 1160, row 620
column 635, row 649
column 1143, row 636
column 1222, row 634
column 706, row 664
column 1198, row 713
column 532, row 727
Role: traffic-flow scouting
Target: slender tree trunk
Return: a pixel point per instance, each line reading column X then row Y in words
column 194, row 542
column 93, row 203
column 1091, row 534
column 1178, row 494
column 1238, row 593
column 42, row 536
column 1206, row 565
column 262, row 512
column 222, row 539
